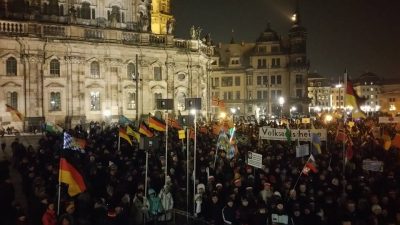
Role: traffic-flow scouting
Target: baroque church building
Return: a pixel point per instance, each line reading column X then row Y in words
column 71, row 62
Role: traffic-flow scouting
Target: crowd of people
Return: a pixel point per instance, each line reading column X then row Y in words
column 228, row 191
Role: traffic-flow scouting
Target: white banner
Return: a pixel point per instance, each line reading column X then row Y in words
column 302, row 150
column 372, row 165
column 279, row 134
column 254, row 159
column 389, row 119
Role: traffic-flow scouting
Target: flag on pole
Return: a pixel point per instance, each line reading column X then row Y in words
column 131, row 132
column 288, row 134
column 310, row 166
column 387, row 141
column 316, row 142
column 174, row 123
column 353, row 100
column 15, row 114
column 73, row 143
column 122, row 134
column 52, row 128
column 123, row 120
column 69, row 175
column 143, row 129
column 156, row 124
column 396, row 141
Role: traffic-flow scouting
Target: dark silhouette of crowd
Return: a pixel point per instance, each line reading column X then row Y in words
column 228, row 191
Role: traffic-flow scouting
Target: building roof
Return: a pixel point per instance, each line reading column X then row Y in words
column 367, row 78
column 268, row 35
column 228, row 51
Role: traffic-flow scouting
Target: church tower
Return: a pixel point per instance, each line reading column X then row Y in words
column 162, row 21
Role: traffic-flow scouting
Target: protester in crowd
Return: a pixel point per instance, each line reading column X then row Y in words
column 228, row 191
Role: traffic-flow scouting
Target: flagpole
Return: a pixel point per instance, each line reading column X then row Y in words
column 59, row 189
column 301, row 172
column 119, row 142
column 344, row 122
column 187, row 171
column 145, row 182
column 166, row 146
column 194, row 161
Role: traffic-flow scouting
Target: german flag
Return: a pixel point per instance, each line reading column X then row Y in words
column 156, row 124
column 122, row 134
column 173, row 123
column 143, row 129
column 69, row 175
column 15, row 114
column 353, row 100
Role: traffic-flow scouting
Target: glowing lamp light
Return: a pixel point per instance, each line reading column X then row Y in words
column 193, row 111
column 222, row 115
column 281, row 100
column 233, row 110
column 294, row 17
column 328, row 118
column 107, row 113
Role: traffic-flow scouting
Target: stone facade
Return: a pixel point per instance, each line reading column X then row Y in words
column 251, row 77
column 67, row 70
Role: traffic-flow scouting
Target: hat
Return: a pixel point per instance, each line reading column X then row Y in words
column 277, row 193
column 218, row 185
column 201, row 186
column 267, row 185
column 151, row 191
column 210, row 177
column 249, row 188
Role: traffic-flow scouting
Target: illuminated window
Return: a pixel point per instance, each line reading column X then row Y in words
column 131, row 100
column 95, row 101
column 131, row 71
column 55, row 101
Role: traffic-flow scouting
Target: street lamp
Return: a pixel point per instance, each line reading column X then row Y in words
column 292, row 109
column 281, row 101
column 233, row 111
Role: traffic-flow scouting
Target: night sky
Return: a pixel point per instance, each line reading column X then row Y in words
column 360, row 35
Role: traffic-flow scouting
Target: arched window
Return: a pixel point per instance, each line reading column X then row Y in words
column 157, row 96
column 131, row 72
column 85, row 11
column 116, row 13
column 55, row 101
column 131, row 100
column 95, row 70
column 95, row 101
column 54, row 68
column 12, row 99
column 11, row 67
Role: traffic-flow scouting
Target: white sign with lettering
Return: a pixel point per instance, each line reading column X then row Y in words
column 254, row 159
column 279, row 134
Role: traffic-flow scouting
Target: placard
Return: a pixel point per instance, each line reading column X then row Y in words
column 181, row 134
column 254, row 159
column 301, row 134
column 386, row 119
column 372, row 165
column 302, row 150
column 305, row 120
